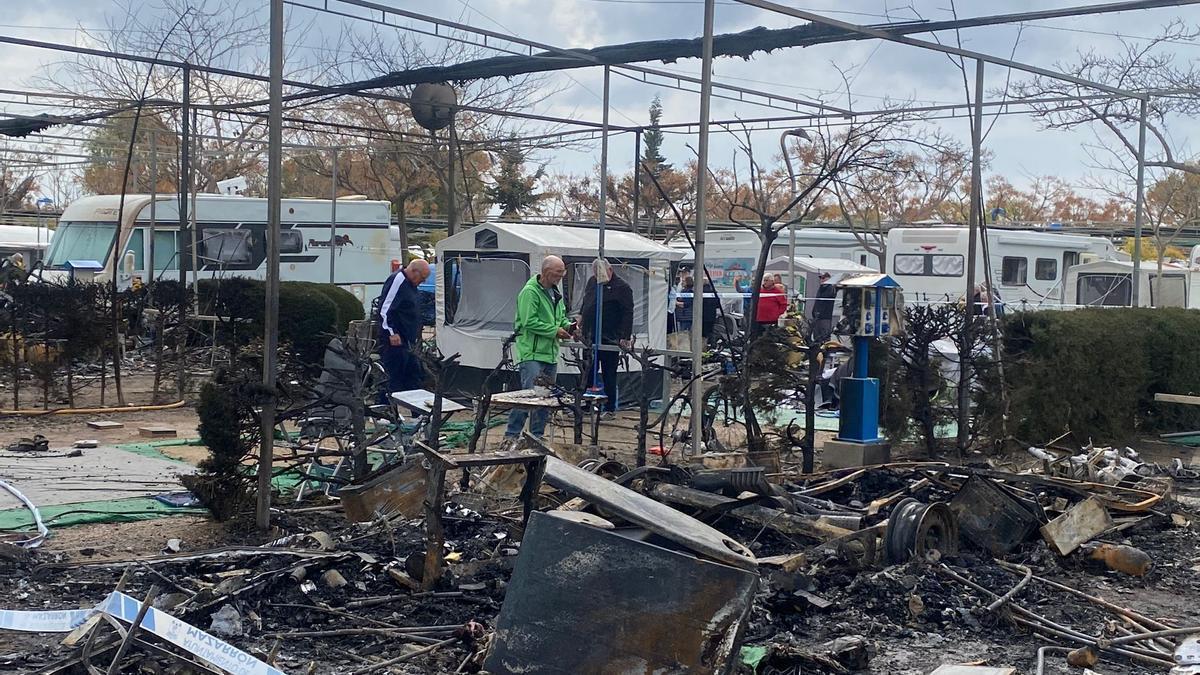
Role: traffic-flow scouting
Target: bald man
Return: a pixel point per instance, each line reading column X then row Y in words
column 400, row 326
column 540, row 323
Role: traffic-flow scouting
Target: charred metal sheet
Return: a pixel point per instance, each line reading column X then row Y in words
column 991, row 517
column 588, row 600
column 640, row 510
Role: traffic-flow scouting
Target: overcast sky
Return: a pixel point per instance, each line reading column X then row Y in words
column 879, row 71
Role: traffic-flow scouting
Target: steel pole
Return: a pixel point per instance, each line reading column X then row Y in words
column 451, row 197
column 271, row 313
column 333, row 218
column 697, row 394
column 964, row 349
column 192, row 217
column 182, row 235
column 637, row 180
column 787, row 161
column 153, row 203
column 597, row 386
column 1139, row 209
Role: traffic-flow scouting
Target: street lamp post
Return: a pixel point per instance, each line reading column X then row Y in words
column 787, row 160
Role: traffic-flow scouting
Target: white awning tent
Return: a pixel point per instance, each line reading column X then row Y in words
column 481, row 270
column 1108, row 283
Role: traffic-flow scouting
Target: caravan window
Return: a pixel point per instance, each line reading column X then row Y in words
column 481, row 293
column 638, row 278
column 1046, row 269
column 1013, row 271
column 227, row 247
column 1172, row 292
column 946, row 266
column 928, row 265
column 165, row 255
column 137, row 244
column 291, row 241
column 909, row 264
column 1105, row 290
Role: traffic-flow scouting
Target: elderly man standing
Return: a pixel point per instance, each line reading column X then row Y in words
column 540, row 323
column 616, row 319
column 400, row 326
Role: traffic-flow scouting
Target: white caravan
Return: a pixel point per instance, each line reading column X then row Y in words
column 1028, row 268
column 30, row 241
column 231, row 240
column 729, row 254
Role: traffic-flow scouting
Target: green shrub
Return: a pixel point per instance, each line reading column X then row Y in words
column 1095, row 372
column 230, row 430
column 307, row 317
column 348, row 307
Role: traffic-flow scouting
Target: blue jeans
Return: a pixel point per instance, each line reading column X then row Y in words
column 530, row 371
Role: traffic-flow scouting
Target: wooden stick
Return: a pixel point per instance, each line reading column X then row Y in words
column 114, row 667
column 404, row 657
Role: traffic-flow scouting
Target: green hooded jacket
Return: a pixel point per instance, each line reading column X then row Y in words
column 537, row 322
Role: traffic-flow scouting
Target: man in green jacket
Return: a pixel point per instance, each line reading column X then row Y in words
column 541, row 322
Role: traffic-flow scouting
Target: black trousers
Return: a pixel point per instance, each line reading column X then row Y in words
column 609, row 362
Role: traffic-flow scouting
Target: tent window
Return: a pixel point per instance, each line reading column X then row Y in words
column 481, row 294
column 1046, row 269
column 1105, row 290
column 1014, row 271
column 485, row 238
column 638, row 278
column 1172, row 294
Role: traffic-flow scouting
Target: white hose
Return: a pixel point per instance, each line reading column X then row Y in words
column 43, row 532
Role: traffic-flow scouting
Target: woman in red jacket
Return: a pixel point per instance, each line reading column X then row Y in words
column 772, row 303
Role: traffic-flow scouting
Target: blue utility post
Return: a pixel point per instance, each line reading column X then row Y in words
column 872, row 307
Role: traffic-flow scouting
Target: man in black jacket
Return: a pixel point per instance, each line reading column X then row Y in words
column 400, row 326
column 616, row 314
column 822, row 314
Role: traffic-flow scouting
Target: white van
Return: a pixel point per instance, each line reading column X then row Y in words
column 231, row 240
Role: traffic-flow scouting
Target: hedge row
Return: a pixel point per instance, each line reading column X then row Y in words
column 1095, row 372
column 309, row 313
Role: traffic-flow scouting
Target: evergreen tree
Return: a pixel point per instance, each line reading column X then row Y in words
column 653, row 138
column 512, row 190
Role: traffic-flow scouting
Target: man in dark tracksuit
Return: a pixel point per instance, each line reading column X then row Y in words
column 822, row 313
column 400, row 326
column 616, row 318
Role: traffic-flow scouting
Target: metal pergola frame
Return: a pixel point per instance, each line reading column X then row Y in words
column 839, row 31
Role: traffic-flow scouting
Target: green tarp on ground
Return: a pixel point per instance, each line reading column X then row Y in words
column 106, row 511
column 147, row 508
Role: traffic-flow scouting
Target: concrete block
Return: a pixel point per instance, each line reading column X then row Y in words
column 838, row 454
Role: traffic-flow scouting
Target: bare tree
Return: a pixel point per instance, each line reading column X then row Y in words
column 226, row 34
column 1171, row 205
column 1150, row 66
column 19, row 173
column 912, row 187
column 402, row 161
column 761, row 200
